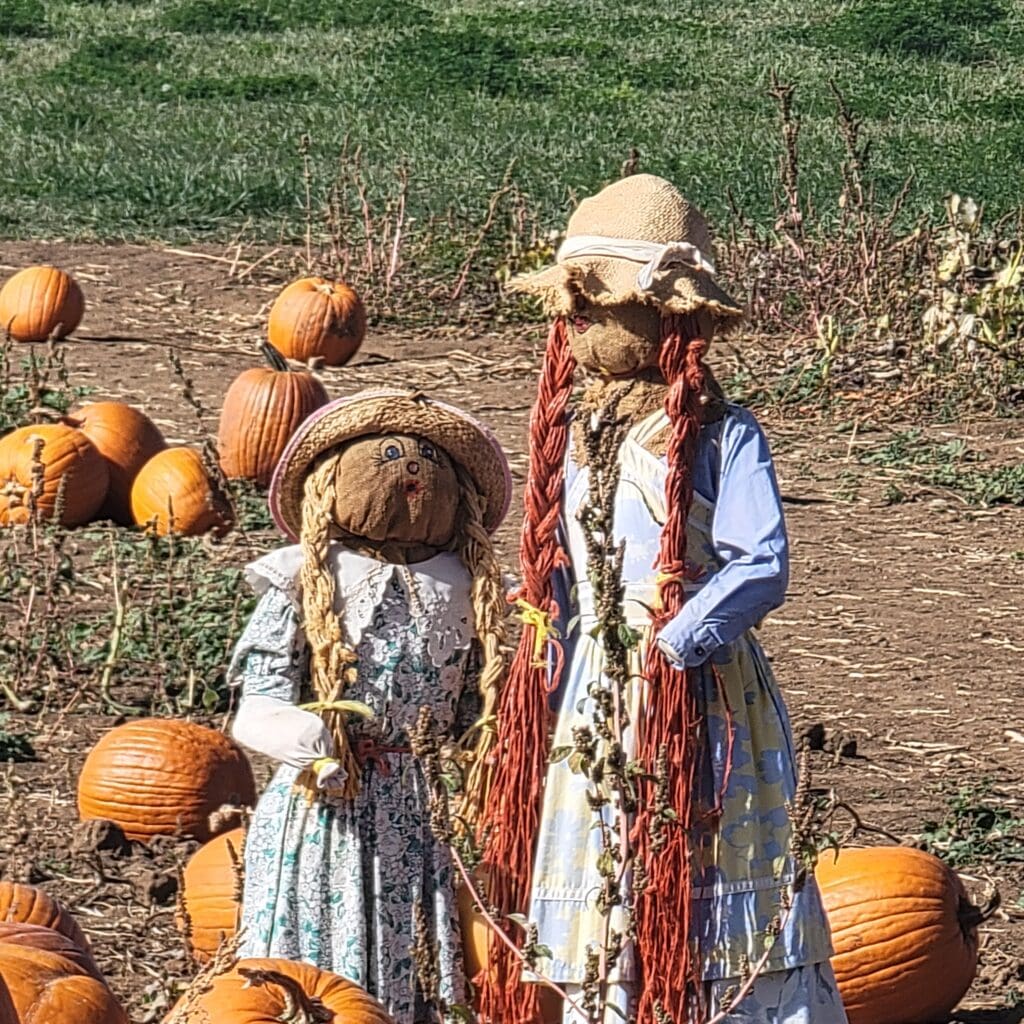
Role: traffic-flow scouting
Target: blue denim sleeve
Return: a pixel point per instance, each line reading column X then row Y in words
column 748, row 535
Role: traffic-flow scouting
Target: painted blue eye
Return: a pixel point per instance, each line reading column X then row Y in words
column 392, row 452
column 428, row 451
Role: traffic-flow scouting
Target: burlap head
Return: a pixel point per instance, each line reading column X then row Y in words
column 642, row 208
column 390, row 411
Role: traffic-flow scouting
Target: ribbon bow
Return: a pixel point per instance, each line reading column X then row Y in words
column 653, row 255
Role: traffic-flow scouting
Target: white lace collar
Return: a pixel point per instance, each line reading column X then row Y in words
column 438, row 588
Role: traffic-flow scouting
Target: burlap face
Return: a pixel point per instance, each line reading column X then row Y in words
column 615, row 341
column 396, row 489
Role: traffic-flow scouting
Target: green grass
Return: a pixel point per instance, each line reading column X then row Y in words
column 183, row 119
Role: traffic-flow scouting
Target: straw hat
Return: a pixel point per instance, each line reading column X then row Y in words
column 638, row 240
column 390, row 411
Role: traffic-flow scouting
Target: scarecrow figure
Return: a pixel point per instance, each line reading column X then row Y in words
column 389, row 602
column 636, row 306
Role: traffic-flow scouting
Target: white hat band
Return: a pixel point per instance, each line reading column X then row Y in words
column 654, row 255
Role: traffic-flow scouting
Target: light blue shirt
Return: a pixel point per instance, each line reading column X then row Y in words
column 734, row 471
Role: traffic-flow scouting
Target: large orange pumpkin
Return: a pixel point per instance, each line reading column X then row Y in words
column 40, row 302
column 70, row 464
column 27, row 904
column 127, row 439
column 47, row 987
column 905, row 934
column 261, row 410
column 160, row 776
column 211, row 892
column 267, row 995
column 174, row 490
column 37, row 937
column 8, row 1014
column 317, row 318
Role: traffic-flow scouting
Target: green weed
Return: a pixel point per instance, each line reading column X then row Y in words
column 976, row 828
column 951, row 465
column 14, row 746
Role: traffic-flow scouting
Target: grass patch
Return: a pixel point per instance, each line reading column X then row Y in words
column 958, row 30
column 23, row 18
column 201, row 17
column 199, row 99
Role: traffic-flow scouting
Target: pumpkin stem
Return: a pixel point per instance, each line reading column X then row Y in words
column 299, row 1006
column 274, row 358
column 969, row 915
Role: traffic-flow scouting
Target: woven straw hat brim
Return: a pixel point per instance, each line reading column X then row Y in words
column 638, row 208
column 390, row 411
column 611, row 282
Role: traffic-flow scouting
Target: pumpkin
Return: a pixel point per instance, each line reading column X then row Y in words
column 38, row 937
column 159, row 776
column 71, row 467
column 8, row 1014
column 258, row 991
column 317, row 318
column 904, row 932
column 45, row 986
column 27, row 904
column 40, row 302
column 262, row 409
column 211, row 893
column 127, row 439
column 174, row 492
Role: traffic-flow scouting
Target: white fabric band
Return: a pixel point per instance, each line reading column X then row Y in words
column 653, row 255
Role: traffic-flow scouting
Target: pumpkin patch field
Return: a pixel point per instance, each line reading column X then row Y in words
column 216, row 216
column 899, row 648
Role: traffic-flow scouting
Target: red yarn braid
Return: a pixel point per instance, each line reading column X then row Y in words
column 669, row 973
column 511, row 815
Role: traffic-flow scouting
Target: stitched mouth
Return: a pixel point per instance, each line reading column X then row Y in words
column 412, row 487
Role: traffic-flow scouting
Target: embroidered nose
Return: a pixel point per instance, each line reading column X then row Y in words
column 413, row 467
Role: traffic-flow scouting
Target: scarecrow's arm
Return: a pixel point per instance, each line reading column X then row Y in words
column 269, row 664
column 750, row 543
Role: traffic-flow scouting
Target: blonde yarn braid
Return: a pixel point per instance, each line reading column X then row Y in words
column 476, row 551
column 331, row 660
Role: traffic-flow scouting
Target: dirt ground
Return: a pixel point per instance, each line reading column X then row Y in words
column 900, row 647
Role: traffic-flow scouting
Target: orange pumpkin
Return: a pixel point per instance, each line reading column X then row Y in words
column 317, row 318
column 159, row 776
column 174, row 491
column 270, row 984
column 127, row 439
column 8, row 1014
column 261, row 411
column 38, row 937
column 45, row 986
column 211, row 893
column 26, row 904
column 40, row 302
column 905, row 934
column 70, row 464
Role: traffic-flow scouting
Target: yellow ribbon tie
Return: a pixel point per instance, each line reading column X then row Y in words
column 660, row 580
column 350, row 707
column 544, row 629
column 322, row 762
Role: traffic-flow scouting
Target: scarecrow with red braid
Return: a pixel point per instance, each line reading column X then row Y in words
column 722, row 910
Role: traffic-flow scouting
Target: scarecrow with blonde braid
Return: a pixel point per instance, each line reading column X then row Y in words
column 697, row 510
column 391, row 601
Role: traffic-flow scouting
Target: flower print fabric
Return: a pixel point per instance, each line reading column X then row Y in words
column 340, row 883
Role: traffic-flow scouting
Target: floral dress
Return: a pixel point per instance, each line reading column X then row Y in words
column 736, row 553
column 353, row 886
